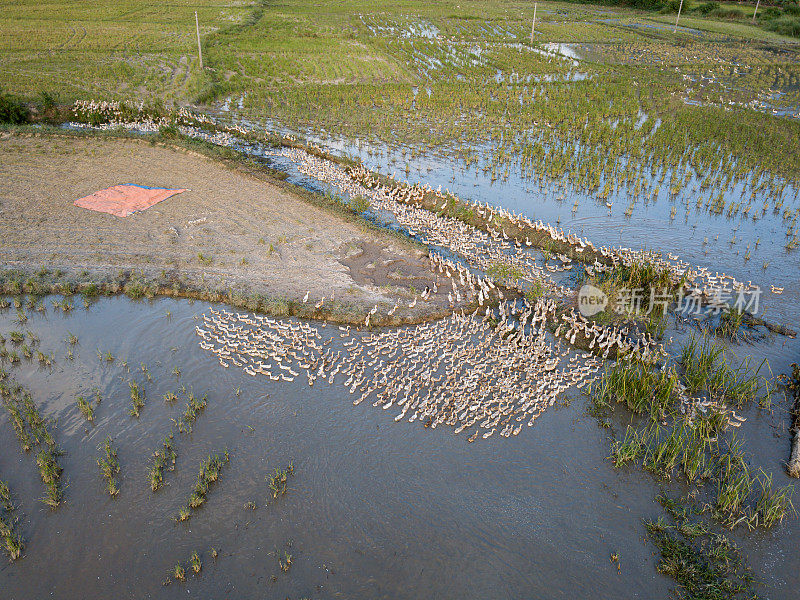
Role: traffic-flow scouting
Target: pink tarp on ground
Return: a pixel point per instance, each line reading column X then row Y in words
column 126, row 199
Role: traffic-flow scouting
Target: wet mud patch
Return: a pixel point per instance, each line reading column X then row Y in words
column 378, row 265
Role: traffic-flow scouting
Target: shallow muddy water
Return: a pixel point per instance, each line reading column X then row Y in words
column 375, row 508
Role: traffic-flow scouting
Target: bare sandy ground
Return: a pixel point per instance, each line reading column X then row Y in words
column 231, row 230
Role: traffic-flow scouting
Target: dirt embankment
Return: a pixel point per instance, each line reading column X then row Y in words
column 232, row 231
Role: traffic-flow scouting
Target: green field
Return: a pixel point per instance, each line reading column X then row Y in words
column 134, row 49
column 456, row 74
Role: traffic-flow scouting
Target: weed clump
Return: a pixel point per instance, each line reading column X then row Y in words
column 12, row 540
column 705, row 565
column 163, row 459
column 278, row 480
column 210, row 470
column 137, row 399
column 109, row 466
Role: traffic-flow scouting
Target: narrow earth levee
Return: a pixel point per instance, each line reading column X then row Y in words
column 236, row 235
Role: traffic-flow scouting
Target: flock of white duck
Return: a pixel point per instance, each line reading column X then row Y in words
column 465, row 371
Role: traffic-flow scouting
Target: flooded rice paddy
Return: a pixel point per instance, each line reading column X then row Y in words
column 374, row 508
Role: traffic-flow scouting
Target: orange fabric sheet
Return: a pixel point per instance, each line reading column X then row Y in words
column 126, row 199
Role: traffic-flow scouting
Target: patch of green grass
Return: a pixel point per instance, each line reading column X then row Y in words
column 163, row 459
column 109, row 466
column 705, row 566
column 13, row 544
column 210, row 470
column 138, row 399
column 643, row 389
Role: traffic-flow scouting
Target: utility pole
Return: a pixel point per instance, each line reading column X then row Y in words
column 756, row 10
column 199, row 47
column 678, row 17
column 533, row 27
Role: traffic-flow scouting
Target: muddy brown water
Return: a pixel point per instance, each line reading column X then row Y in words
column 376, row 509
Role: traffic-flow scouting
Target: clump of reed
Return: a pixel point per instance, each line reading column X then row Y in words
column 163, row 459
column 278, row 480
column 12, row 540
column 137, row 399
column 210, row 470
column 109, row 466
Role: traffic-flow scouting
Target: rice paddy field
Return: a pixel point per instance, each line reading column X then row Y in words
column 165, row 436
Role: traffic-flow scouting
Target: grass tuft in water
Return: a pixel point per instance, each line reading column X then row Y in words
column 109, row 466
column 163, row 459
column 278, row 480
column 210, row 470
column 13, row 544
column 137, row 399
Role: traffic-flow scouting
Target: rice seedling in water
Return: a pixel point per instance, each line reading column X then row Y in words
column 86, row 409
column 137, row 399
column 210, row 470
column 285, row 562
column 279, row 479
column 12, row 540
column 44, row 359
column 163, row 459
column 193, row 408
column 50, row 472
column 109, row 466
column 196, row 563
column 32, row 432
